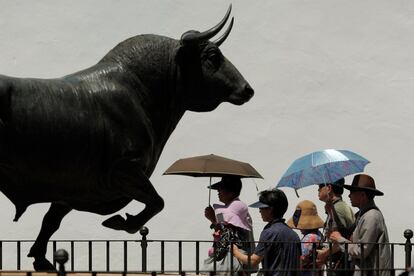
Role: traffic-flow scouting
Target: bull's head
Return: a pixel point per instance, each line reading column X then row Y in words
column 209, row 78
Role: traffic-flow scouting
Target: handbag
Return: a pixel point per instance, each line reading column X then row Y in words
column 227, row 235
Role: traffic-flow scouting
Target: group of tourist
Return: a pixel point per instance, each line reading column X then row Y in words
column 345, row 243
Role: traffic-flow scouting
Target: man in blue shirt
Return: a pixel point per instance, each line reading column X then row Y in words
column 279, row 246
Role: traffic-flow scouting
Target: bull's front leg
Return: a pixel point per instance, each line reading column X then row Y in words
column 132, row 183
column 50, row 224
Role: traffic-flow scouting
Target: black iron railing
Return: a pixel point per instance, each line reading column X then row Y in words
column 155, row 256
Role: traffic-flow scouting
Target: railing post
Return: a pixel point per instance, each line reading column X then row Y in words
column 90, row 254
column 108, row 258
column 329, row 266
column 18, row 255
column 162, row 256
column 61, row 256
column 362, row 265
column 197, row 257
column 314, row 255
column 1, row 255
column 408, row 234
column 144, row 244
column 231, row 258
column 392, row 260
column 54, row 248
column 125, row 256
column 180, row 257
column 72, row 254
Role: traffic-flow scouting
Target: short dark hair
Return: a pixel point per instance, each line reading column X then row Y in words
column 337, row 186
column 276, row 199
column 337, row 190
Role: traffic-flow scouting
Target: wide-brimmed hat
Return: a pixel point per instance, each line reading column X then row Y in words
column 363, row 182
column 230, row 183
column 305, row 217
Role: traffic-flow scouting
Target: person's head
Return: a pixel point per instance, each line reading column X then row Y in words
column 306, row 218
column 362, row 190
column 229, row 188
column 272, row 204
column 329, row 191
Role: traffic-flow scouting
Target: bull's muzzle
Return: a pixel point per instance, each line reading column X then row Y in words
column 248, row 91
column 242, row 96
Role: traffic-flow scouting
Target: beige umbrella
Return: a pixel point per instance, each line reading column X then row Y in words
column 212, row 166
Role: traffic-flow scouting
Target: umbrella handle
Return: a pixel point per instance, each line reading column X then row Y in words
column 209, row 193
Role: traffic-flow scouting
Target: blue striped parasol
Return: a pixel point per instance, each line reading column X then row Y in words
column 325, row 166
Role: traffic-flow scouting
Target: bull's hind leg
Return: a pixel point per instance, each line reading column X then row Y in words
column 50, row 224
column 135, row 185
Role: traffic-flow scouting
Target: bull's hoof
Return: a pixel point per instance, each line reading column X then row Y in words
column 117, row 222
column 42, row 264
column 133, row 224
column 35, row 252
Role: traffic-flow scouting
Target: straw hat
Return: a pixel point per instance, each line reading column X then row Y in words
column 305, row 217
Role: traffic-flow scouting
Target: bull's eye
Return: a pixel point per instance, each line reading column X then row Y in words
column 213, row 56
column 215, row 59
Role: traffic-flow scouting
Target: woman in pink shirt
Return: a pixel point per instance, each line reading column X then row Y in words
column 230, row 221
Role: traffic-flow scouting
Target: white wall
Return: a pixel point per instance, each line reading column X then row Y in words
column 327, row 74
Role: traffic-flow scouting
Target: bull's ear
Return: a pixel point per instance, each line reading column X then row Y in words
column 188, row 53
column 189, row 61
column 189, row 38
column 189, row 47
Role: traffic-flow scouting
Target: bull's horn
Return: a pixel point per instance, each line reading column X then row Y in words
column 221, row 39
column 192, row 36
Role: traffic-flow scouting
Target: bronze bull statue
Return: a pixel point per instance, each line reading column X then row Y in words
column 89, row 141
